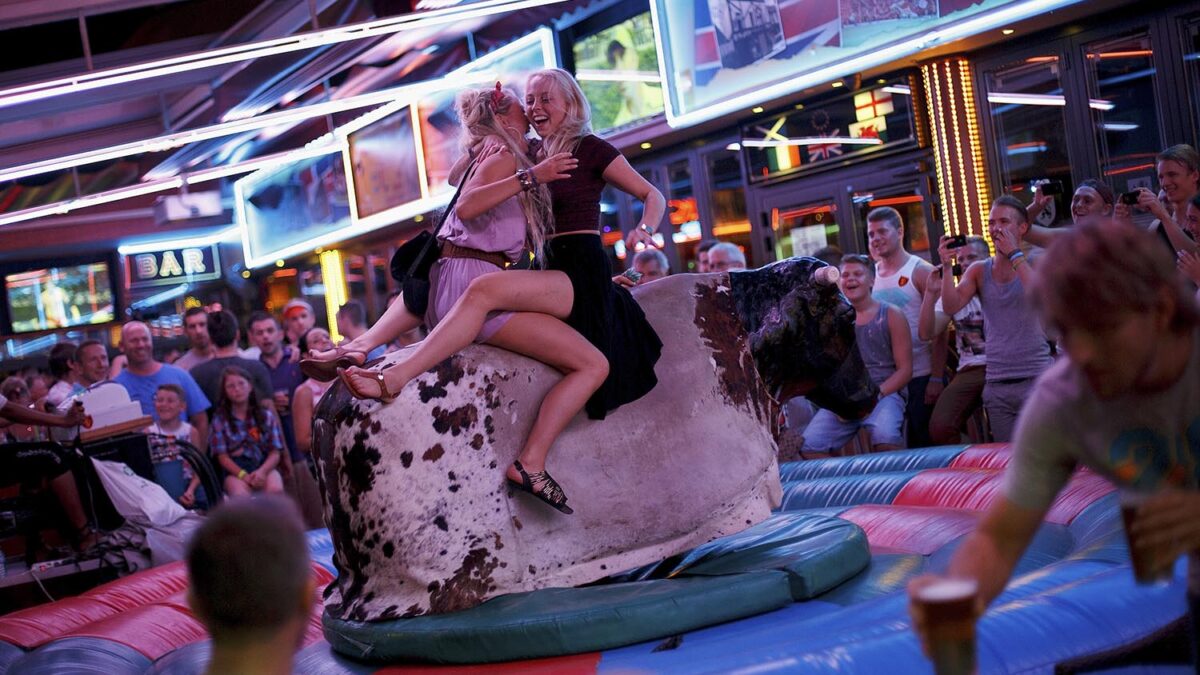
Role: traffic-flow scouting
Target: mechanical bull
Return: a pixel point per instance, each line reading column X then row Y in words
column 415, row 498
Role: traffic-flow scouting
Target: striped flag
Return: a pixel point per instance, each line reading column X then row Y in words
column 806, row 23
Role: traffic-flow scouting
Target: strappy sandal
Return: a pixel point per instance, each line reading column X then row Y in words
column 551, row 492
column 385, row 395
column 326, row 369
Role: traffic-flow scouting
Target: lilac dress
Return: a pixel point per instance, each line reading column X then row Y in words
column 500, row 230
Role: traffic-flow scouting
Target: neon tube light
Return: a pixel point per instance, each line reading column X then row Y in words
column 150, row 187
column 903, row 89
column 181, row 138
column 1044, row 99
column 228, row 234
column 965, row 28
column 255, row 50
column 811, row 140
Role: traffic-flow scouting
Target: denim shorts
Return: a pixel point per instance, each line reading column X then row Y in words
column 826, row 433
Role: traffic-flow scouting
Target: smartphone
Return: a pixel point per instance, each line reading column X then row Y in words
column 632, row 275
column 1052, row 187
column 957, row 241
column 1130, row 198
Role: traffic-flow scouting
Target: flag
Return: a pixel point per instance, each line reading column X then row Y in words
column 806, row 23
column 874, row 103
column 875, row 127
column 821, row 151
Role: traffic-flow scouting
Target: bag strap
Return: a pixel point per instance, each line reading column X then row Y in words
column 432, row 241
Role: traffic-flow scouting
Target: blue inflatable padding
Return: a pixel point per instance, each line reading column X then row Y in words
column 887, row 573
column 187, row 660
column 82, row 656
column 1097, row 521
column 880, row 462
column 817, row 552
column 1050, row 544
column 319, row 659
column 1074, row 617
column 878, row 488
column 556, row 621
column 320, row 548
column 700, row 646
column 8, row 654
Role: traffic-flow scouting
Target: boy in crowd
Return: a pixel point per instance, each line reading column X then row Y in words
column 883, row 340
column 169, row 404
column 1016, row 346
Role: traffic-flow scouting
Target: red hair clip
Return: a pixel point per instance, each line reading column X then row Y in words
column 497, row 97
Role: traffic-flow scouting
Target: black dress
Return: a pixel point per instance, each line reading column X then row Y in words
column 603, row 312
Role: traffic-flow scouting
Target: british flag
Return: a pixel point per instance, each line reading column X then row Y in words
column 806, row 23
column 822, row 151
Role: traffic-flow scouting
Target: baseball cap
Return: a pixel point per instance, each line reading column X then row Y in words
column 296, row 303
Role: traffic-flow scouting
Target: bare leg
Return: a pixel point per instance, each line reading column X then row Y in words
column 544, row 292
column 395, row 320
column 67, row 492
column 274, row 482
column 584, row 368
column 235, row 487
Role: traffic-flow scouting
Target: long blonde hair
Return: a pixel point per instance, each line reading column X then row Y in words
column 577, row 119
column 479, row 111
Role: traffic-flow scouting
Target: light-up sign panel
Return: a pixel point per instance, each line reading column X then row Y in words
column 172, row 266
column 288, row 209
column 384, row 164
column 721, row 56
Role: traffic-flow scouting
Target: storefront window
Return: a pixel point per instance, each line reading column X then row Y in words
column 730, row 222
column 1192, row 58
column 1026, row 103
column 804, row 230
column 617, row 69
column 912, row 212
column 1125, row 111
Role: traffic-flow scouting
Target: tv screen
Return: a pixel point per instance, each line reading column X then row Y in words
column 384, row 158
column 60, row 297
column 617, row 69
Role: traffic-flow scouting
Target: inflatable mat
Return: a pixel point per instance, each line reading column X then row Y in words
column 1072, row 597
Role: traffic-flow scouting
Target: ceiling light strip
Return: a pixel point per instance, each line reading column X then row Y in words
column 245, row 52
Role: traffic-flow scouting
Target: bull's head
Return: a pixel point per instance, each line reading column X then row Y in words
column 802, row 335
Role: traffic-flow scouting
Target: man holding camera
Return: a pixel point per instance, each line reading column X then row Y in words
column 1016, row 346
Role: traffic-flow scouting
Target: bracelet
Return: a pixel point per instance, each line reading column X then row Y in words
column 527, row 180
column 241, row 474
column 1016, row 264
column 1012, row 257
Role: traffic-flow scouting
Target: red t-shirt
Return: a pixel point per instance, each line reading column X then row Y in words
column 576, row 200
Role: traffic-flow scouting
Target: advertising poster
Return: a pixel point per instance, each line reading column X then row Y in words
column 384, row 160
column 293, row 204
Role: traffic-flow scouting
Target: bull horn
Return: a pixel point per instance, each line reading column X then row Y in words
column 826, row 276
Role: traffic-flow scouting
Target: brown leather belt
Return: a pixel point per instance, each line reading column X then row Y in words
column 450, row 250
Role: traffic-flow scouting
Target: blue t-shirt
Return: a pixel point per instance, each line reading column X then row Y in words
column 142, row 388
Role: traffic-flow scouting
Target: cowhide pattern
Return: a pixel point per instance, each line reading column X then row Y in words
column 419, row 511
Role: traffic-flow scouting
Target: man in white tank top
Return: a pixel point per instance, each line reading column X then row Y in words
column 900, row 279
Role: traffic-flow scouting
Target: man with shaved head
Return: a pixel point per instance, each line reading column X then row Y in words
column 143, row 375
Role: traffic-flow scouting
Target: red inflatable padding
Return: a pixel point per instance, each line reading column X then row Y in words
column 1084, row 488
column 970, row 489
column 912, row 529
column 323, row 577
column 36, row 626
column 983, row 456
column 315, row 632
column 152, row 630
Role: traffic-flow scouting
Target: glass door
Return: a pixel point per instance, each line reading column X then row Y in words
column 911, row 204
column 804, row 229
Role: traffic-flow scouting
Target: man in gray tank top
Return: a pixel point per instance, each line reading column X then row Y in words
column 1015, row 344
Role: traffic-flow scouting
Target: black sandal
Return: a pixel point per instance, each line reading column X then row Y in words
column 551, row 493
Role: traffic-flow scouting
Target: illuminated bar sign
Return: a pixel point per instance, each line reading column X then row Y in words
column 172, row 266
column 724, row 56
